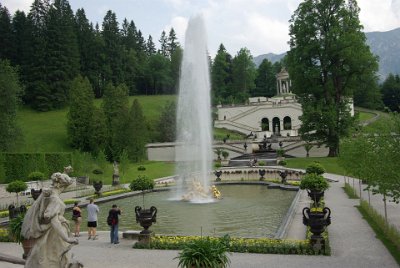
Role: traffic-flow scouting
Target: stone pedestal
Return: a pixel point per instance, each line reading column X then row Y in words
column 144, row 239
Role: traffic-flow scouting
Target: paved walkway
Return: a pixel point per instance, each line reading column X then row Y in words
column 352, row 240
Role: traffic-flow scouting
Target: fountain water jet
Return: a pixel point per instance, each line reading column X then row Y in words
column 194, row 137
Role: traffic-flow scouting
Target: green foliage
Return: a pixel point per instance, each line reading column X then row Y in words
column 315, row 168
column 217, row 165
column 10, row 91
column 36, row 176
column 124, row 162
column 137, row 133
column 391, row 92
column 205, row 252
column 20, row 165
column 225, row 154
column 350, row 191
column 328, row 60
column 388, row 234
column 243, row 75
column 262, row 163
column 221, row 76
column 280, row 152
column 16, row 187
column 365, row 156
column 282, row 163
column 243, row 245
column 15, row 228
column 265, row 80
column 221, row 133
column 167, row 123
column 70, row 201
column 314, row 182
column 330, row 163
column 80, row 115
column 141, row 168
column 142, row 183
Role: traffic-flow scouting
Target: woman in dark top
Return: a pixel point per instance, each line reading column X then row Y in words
column 77, row 218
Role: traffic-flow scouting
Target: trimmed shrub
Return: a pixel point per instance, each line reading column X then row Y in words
column 36, row 176
column 142, row 183
column 141, row 168
column 315, row 168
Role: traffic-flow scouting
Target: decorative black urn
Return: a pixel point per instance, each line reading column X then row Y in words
column 35, row 193
column 317, row 221
column 315, row 195
column 97, row 185
column 262, row 173
column 218, row 174
column 283, row 175
column 145, row 217
column 13, row 211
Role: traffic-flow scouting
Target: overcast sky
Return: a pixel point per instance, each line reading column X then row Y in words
column 259, row 25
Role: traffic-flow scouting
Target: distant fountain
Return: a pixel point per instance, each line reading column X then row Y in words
column 194, row 137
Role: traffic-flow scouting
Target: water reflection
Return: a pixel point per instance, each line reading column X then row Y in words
column 244, row 211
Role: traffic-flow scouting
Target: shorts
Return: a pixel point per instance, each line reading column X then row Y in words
column 92, row 224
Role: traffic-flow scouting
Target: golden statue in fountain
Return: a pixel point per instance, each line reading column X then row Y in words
column 196, row 191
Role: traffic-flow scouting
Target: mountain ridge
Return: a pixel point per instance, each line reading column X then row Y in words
column 385, row 45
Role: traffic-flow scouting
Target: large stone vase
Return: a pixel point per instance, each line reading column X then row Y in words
column 261, row 172
column 317, row 221
column 145, row 217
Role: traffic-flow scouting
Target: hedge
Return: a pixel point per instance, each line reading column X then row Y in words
column 17, row 166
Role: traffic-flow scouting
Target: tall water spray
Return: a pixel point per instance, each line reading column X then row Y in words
column 193, row 150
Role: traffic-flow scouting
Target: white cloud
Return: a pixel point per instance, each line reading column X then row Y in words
column 179, row 24
column 379, row 15
column 14, row 5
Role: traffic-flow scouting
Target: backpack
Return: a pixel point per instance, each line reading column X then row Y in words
column 111, row 220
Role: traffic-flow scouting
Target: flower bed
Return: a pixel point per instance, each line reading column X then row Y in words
column 243, row 245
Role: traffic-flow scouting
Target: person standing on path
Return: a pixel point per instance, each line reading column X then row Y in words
column 92, row 210
column 113, row 222
column 77, row 218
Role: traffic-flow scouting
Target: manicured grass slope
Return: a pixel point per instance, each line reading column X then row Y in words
column 46, row 131
column 329, row 163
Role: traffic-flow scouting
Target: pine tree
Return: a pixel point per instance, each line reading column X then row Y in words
column 158, row 74
column 391, row 92
column 243, row 74
column 176, row 61
column 115, row 107
column 10, row 91
column 167, row 123
column 80, row 115
column 6, row 44
column 172, row 43
column 221, row 76
column 150, row 46
column 90, row 50
column 163, row 44
column 112, row 49
column 37, row 92
column 137, row 133
column 62, row 52
column 265, row 80
column 20, row 40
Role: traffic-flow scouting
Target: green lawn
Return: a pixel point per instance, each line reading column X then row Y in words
column 364, row 116
column 220, row 134
column 46, row 131
column 153, row 170
column 330, row 163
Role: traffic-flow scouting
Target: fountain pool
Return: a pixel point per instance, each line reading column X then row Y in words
column 244, row 211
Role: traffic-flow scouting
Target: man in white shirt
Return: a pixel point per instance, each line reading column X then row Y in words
column 92, row 210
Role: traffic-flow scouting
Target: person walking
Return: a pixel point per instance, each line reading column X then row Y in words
column 77, row 218
column 92, row 210
column 112, row 220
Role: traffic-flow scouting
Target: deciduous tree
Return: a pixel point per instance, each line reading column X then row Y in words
column 327, row 54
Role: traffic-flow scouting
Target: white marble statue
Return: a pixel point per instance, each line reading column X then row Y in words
column 45, row 222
